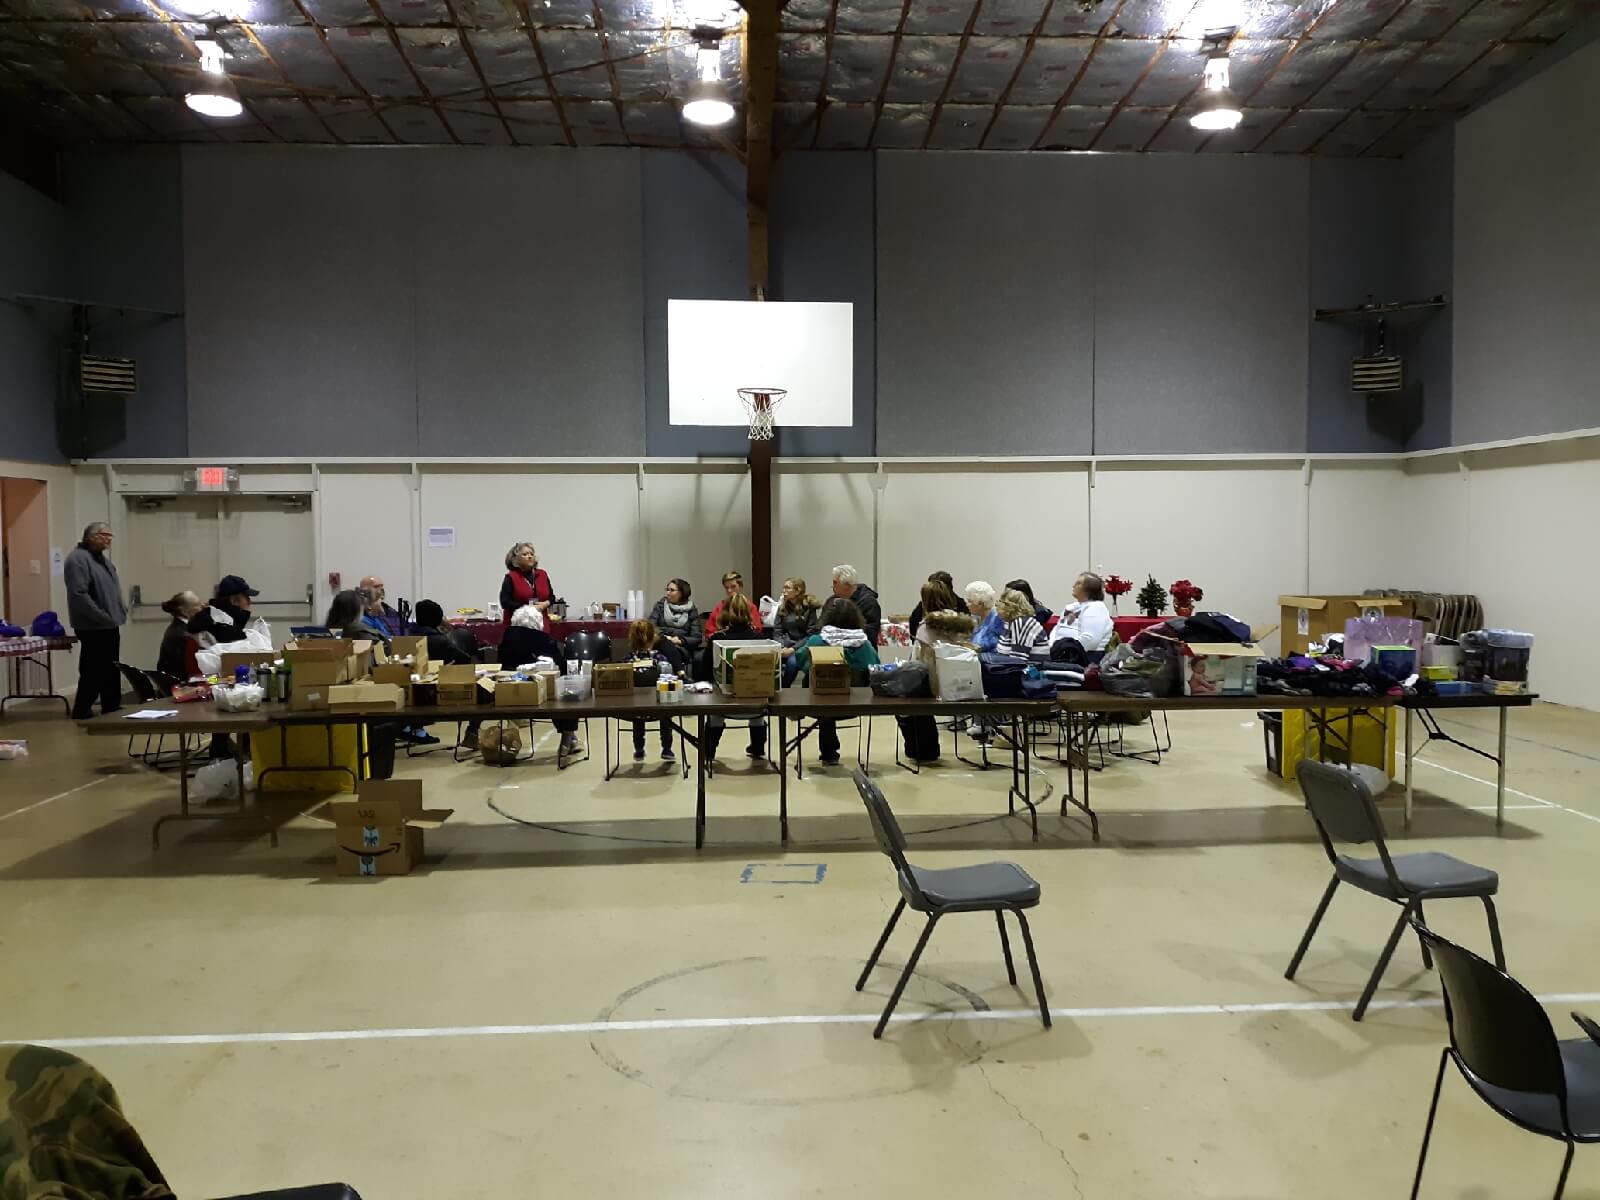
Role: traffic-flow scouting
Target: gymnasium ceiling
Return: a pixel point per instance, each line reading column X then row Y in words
column 1334, row 77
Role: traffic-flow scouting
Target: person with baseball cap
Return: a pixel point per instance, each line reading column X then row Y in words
column 231, row 598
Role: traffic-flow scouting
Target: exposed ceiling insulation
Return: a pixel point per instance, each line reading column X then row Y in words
column 1334, row 77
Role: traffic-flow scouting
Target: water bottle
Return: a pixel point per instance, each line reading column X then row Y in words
column 244, row 673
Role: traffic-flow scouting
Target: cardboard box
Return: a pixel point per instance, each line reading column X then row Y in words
column 1220, row 669
column 612, row 678
column 521, row 693
column 321, row 663
column 1307, row 619
column 366, row 696
column 726, row 653
column 458, row 684
column 380, row 832
column 830, row 674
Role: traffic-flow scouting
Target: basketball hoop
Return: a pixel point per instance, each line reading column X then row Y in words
column 760, row 405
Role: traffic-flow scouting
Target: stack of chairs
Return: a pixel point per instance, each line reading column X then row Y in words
column 1448, row 616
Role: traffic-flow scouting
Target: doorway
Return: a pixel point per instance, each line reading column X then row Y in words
column 24, row 549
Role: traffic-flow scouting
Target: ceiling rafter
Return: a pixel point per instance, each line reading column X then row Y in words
column 950, row 79
column 888, row 74
column 477, row 69
column 1066, row 93
column 1166, row 41
column 424, row 97
column 1022, row 59
column 827, row 68
column 544, row 71
column 356, row 89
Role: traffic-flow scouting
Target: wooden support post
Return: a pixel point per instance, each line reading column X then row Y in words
column 761, row 78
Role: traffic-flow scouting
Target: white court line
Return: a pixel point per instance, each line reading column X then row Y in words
column 668, row 1025
column 51, row 799
column 1509, row 791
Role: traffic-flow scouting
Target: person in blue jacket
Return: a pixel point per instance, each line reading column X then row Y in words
column 842, row 626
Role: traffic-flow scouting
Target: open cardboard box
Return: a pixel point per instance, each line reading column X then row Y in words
column 458, row 684
column 366, row 696
column 830, row 673
column 523, row 693
column 318, row 664
column 231, row 659
column 380, row 832
column 748, row 669
column 1307, row 619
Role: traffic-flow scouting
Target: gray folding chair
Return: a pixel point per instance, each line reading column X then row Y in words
column 1345, row 811
column 1505, row 1048
column 997, row 887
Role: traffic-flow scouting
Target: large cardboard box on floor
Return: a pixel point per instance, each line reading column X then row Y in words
column 380, row 831
column 1307, row 619
column 749, row 669
column 317, row 664
column 830, row 673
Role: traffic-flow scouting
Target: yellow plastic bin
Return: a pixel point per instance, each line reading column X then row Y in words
column 1373, row 731
column 307, row 751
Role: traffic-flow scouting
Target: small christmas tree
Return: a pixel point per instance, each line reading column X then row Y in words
column 1152, row 598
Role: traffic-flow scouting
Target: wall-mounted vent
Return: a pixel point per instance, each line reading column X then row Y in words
column 99, row 374
column 1380, row 373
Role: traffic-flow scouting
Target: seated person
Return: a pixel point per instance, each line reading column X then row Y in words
column 454, row 647
column 1041, row 613
column 957, row 603
column 732, row 585
column 1021, row 631
column 175, row 663
column 737, row 625
column 988, row 624
column 347, row 618
column 232, row 600
column 646, row 647
column 525, row 641
column 842, row 626
column 1087, row 620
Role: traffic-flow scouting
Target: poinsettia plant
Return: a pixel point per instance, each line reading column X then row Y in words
column 1116, row 585
column 1185, row 595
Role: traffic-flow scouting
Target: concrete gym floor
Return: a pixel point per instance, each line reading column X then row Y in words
column 662, row 1039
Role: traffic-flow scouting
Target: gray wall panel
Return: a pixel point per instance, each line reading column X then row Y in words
column 694, row 249
column 985, row 286
column 1200, row 304
column 1429, row 224
column 529, row 303
column 300, row 286
column 126, row 209
column 1527, row 255
column 33, row 233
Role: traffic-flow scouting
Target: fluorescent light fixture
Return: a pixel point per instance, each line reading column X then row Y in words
column 213, row 95
column 1218, row 111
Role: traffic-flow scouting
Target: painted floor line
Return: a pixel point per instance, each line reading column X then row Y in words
column 51, row 799
column 669, row 1025
column 1509, row 791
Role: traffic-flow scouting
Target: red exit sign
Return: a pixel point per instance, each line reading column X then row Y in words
column 214, row 479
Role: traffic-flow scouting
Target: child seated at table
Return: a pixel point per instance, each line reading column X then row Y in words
column 737, row 625
column 645, row 648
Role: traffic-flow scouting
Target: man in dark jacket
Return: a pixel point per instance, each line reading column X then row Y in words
column 232, row 599
column 847, row 585
column 97, row 614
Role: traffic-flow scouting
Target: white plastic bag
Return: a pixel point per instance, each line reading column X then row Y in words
column 257, row 638
column 959, row 675
column 769, row 609
column 218, row 782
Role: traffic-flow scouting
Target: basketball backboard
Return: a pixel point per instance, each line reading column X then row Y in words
column 716, row 347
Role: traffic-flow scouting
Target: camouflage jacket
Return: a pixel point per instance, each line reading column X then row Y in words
column 63, row 1135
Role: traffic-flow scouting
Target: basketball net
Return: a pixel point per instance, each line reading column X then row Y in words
column 761, row 405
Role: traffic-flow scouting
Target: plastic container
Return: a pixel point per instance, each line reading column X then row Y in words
column 573, row 687
column 1272, row 735
column 1497, row 655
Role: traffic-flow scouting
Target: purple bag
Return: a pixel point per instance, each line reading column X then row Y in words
column 9, row 630
column 47, row 624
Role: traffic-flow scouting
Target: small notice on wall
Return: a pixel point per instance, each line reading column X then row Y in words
column 58, row 564
column 441, row 537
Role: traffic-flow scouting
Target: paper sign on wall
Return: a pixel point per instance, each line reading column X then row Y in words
column 58, row 564
column 441, row 537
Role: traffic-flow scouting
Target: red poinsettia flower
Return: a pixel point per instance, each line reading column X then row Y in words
column 1184, row 592
column 1116, row 585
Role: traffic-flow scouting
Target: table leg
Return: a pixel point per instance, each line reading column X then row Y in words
column 183, row 794
column 1020, row 728
column 1500, row 774
column 783, row 779
column 700, row 781
column 1409, row 753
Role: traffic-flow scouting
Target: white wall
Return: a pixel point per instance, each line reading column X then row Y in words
column 1509, row 527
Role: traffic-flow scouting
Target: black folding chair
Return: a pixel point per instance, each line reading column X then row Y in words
column 1345, row 811
column 997, row 887
column 148, row 686
column 1502, row 1042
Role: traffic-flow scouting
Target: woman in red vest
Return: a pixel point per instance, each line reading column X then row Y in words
column 525, row 582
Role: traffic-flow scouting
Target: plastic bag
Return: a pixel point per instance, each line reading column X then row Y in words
column 769, row 609
column 242, row 697
column 1151, row 672
column 257, row 638
column 218, row 782
column 500, row 744
column 900, row 679
column 960, row 676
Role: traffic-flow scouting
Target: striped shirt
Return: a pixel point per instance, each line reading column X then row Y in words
column 1020, row 636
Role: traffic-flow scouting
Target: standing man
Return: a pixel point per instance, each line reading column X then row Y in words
column 95, row 608
column 847, row 585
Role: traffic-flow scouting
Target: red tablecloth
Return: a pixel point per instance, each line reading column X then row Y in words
column 1126, row 627
column 489, row 633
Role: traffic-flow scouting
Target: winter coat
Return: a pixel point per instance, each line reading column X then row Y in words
column 917, row 614
column 871, row 613
column 453, row 647
column 522, row 645
column 176, row 659
column 793, row 626
column 859, row 654
column 94, row 593
column 987, row 635
column 946, row 626
column 231, row 630
column 692, row 633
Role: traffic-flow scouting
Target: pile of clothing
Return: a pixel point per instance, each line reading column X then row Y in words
column 1149, row 665
column 1300, row 675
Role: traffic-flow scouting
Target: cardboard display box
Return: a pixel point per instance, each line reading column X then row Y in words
column 1307, row 619
column 612, row 678
column 366, row 696
column 830, row 674
column 231, row 659
column 521, row 693
column 380, row 832
column 322, row 663
column 747, row 678
column 1220, row 669
column 458, row 684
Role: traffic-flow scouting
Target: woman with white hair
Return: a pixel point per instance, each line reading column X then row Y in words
column 525, row 641
column 980, row 603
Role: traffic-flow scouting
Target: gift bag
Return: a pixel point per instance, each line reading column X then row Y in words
column 960, row 675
